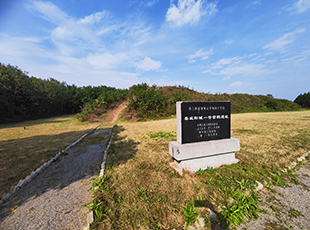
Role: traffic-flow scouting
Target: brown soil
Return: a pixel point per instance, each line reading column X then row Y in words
column 112, row 115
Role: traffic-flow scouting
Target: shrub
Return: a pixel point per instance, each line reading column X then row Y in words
column 147, row 101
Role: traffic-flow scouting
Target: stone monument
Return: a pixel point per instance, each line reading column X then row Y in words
column 203, row 136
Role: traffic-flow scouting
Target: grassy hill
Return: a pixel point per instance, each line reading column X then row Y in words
column 147, row 103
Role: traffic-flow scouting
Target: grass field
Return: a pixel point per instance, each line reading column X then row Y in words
column 26, row 146
column 140, row 191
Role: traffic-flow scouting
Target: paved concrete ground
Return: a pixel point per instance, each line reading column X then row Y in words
column 55, row 198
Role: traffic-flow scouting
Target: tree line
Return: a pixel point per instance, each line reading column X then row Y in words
column 23, row 97
column 303, row 100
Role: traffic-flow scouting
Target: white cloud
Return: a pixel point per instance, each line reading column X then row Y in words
column 301, row 6
column 245, row 69
column 237, row 83
column 200, row 54
column 228, row 42
column 189, row 12
column 254, row 3
column 281, row 43
column 148, row 64
column 151, row 3
column 93, row 18
column 226, row 78
column 237, row 66
column 49, row 11
column 224, row 61
column 107, row 60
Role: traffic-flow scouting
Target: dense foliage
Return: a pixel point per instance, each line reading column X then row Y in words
column 160, row 102
column 23, row 97
column 147, row 101
column 303, row 100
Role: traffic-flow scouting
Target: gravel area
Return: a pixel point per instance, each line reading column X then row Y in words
column 290, row 210
column 55, row 198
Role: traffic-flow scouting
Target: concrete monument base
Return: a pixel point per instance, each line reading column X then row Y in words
column 195, row 156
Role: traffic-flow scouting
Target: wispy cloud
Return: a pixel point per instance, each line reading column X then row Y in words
column 49, row 11
column 93, row 18
column 281, row 43
column 238, row 66
column 200, row 54
column 301, row 6
column 237, row 83
column 151, row 3
column 225, row 61
column 107, row 60
column 228, row 42
column 189, row 12
column 254, row 3
column 148, row 64
column 245, row 69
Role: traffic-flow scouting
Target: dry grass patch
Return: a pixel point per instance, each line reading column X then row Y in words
column 272, row 139
column 140, row 191
column 27, row 145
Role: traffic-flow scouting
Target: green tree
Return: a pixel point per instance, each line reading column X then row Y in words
column 303, row 100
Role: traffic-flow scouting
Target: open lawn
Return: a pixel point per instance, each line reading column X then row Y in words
column 26, row 146
column 140, row 191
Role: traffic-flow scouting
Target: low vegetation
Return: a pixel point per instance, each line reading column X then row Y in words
column 141, row 191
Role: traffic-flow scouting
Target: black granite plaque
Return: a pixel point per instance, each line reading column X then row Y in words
column 204, row 121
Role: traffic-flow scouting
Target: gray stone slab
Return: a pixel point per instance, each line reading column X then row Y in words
column 215, row 161
column 202, row 149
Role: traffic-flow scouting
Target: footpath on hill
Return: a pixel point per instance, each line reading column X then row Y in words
column 55, row 198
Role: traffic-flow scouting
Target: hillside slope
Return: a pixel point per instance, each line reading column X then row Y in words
column 160, row 102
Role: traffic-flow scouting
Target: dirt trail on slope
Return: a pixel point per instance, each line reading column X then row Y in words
column 54, row 199
column 114, row 114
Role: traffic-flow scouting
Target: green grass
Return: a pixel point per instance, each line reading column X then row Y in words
column 294, row 213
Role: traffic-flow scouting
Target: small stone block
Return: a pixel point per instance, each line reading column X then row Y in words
column 20, row 183
column 90, row 217
column 12, row 189
column 213, row 215
column 260, row 186
column 38, row 170
column 6, row 197
column 16, row 189
column 28, row 178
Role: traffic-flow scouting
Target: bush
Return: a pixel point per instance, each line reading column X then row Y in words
column 303, row 100
column 149, row 102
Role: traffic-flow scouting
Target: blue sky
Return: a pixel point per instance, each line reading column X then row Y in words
column 245, row 46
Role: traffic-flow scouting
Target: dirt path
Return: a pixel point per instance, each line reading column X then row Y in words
column 54, row 199
column 115, row 113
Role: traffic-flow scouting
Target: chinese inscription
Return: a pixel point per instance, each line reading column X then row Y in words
column 204, row 121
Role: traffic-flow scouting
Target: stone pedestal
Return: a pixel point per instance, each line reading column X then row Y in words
column 195, row 156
